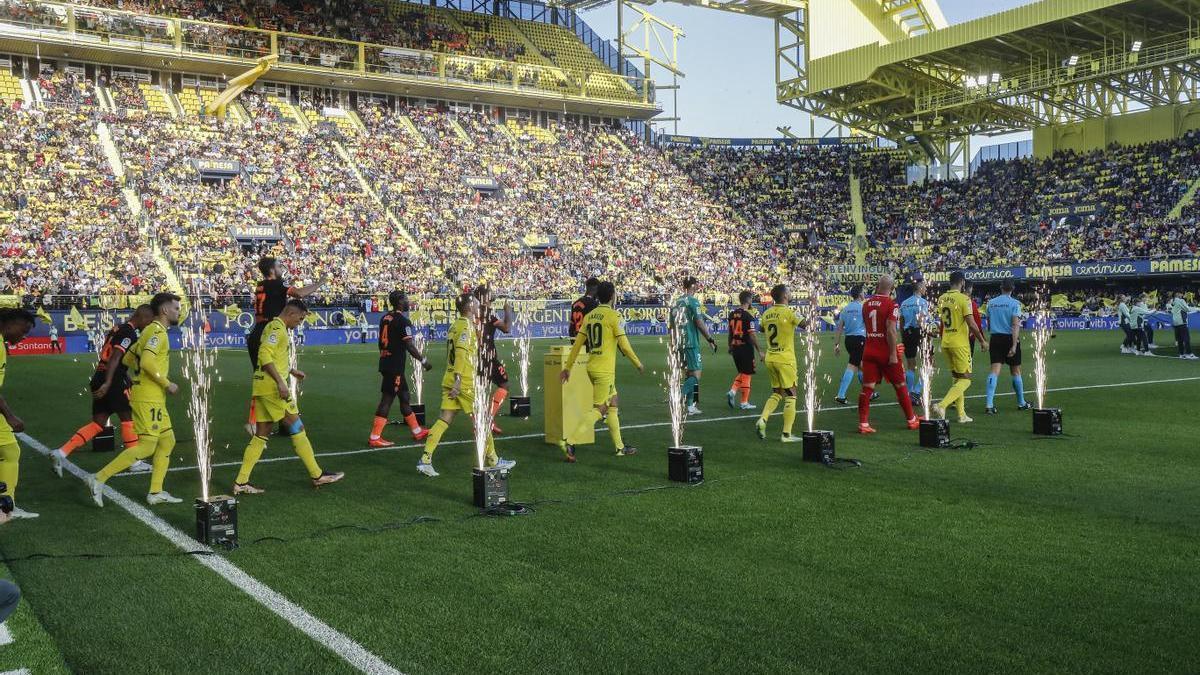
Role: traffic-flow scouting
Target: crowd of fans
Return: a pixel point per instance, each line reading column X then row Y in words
column 63, row 227
column 614, row 207
column 1099, row 205
column 433, row 200
column 796, row 201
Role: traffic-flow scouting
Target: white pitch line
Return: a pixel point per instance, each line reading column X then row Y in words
column 21, row 671
column 320, row 632
column 5, row 636
column 647, row 425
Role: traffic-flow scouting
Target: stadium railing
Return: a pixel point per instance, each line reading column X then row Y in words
column 184, row 37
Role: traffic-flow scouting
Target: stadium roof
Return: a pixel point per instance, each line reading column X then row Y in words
column 1049, row 62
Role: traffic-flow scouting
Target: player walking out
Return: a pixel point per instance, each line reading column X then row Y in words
column 914, row 318
column 580, row 308
column 15, row 324
column 1004, row 322
column 1138, row 319
column 458, row 385
column 395, row 346
column 958, row 322
column 110, row 388
column 881, row 355
column 743, row 347
column 687, row 319
column 270, row 295
column 274, row 401
column 489, row 361
column 602, row 334
column 55, row 347
column 779, row 324
column 149, row 359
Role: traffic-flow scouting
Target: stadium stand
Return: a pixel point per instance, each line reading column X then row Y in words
column 1004, row 213
column 66, row 229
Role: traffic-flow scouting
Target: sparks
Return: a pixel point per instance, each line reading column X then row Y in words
column 482, row 404
column 416, row 370
column 1041, row 338
column 199, row 361
column 812, row 349
column 674, row 373
column 928, row 326
column 524, row 344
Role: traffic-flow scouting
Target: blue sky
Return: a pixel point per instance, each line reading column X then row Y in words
column 729, row 88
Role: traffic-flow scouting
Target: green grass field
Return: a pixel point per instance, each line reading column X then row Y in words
column 1071, row 554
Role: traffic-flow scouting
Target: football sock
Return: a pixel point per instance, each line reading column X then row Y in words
column 844, row 386
column 905, row 401
column 377, row 427
column 614, row 427
column 123, row 461
column 864, row 405
column 991, row 390
column 789, row 414
column 128, row 435
column 497, row 399
column 162, row 460
column 303, row 449
column 10, row 459
column 431, row 442
column 687, row 388
column 1019, row 389
column 411, row 420
column 81, row 436
column 769, row 407
column 254, row 450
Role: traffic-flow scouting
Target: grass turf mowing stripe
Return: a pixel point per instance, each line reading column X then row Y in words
column 647, row 425
column 349, row 650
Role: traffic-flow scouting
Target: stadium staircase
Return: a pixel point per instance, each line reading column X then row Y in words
column 1185, row 201
column 461, row 133
column 856, row 216
column 367, row 187
column 32, row 93
column 105, row 99
column 288, row 112
column 413, row 131
column 504, row 130
column 113, row 155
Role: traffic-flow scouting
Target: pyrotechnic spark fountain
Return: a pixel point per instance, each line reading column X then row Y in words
column 524, row 344
column 199, row 367
column 103, row 323
column 674, row 373
column 925, row 359
column 812, row 349
column 482, row 403
column 1041, row 338
column 416, row 370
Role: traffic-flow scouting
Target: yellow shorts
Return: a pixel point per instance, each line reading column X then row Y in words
column 604, row 387
column 6, row 433
column 465, row 401
column 959, row 359
column 783, row 374
column 272, row 408
column 150, row 419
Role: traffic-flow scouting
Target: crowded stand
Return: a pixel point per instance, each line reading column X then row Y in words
column 1019, row 211
column 65, row 229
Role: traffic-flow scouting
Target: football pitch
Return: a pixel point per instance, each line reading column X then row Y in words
column 1069, row 554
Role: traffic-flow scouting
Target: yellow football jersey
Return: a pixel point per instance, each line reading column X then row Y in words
column 3, row 367
column 462, row 351
column 275, row 349
column 778, row 324
column 152, row 343
column 601, row 331
column 953, row 308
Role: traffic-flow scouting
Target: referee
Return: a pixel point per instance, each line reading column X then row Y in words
column 850, row 323
column 1004, row 321
column 914, row 318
